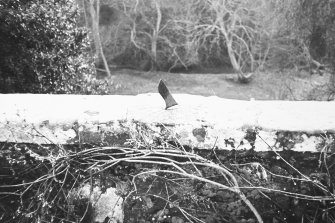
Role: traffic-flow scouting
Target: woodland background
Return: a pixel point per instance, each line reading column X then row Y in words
column 76, row 46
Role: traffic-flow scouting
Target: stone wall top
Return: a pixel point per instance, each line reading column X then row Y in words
column 56, row 117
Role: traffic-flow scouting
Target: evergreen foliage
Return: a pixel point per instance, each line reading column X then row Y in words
column 42, row 49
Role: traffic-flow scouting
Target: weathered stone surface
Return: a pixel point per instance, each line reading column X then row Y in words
column 197, row 122
column 106, row 205
column 238, row 129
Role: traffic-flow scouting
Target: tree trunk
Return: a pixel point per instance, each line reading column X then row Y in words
column 243, row 78
column 96, row 34
column 155, row 35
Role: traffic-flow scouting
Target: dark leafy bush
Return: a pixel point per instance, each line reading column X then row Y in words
column 42, row 49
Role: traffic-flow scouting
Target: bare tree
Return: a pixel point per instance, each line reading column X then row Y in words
column 146, row 26
column 94, row 8
column 152, row 30
column 152, row 34
column 236, row 23
column 171, row 32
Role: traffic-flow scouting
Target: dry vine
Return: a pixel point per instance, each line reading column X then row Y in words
column 60, row 171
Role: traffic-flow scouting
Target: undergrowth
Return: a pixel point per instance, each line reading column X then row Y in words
column 163, row 181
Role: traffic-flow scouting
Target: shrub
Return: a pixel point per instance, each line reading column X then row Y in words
column 42, row 49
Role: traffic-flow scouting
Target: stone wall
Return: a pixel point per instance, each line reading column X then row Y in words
column 272, row 145
column 197, row 121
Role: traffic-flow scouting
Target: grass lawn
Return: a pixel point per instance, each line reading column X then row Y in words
column 267, row 85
